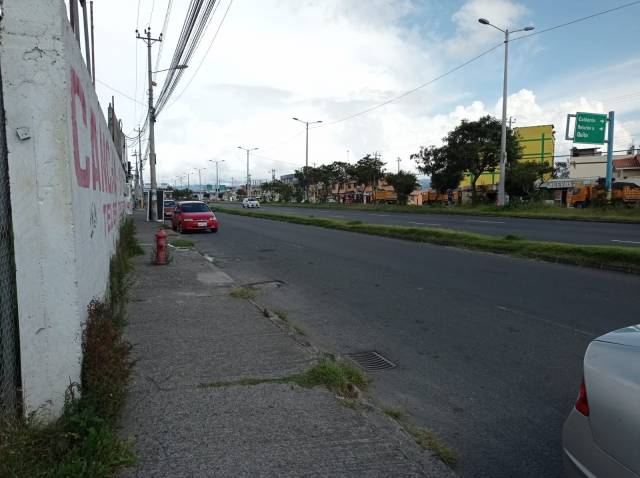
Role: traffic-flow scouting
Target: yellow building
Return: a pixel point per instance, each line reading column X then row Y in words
column 537, row 143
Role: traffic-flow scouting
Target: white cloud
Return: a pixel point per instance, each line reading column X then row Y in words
column 323, row 59
column 472, row 36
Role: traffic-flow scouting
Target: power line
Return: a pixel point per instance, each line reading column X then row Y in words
column 119, row 92
column 577, row 20
column 196, row 21
column 163, row 33
column 153, row 6
column 406, row 93
column 205, row 53
column 555, row 27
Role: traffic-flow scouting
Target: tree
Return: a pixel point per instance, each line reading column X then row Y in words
column 307, row 176
column 522, row 176
column 342, row 173
column 472, row 147
column 403, row 184
column 368, row 170
column 432, row 161
column 283, row 190
column 183, row 194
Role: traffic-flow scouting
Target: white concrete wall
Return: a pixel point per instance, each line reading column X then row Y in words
column 67, row 193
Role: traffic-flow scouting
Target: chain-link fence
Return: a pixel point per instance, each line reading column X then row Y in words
column 9, row 344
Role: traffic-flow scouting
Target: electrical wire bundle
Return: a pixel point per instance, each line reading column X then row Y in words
column 195, row 24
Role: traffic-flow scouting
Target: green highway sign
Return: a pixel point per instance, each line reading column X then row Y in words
column 590, row 128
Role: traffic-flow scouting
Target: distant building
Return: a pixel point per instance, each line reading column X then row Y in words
column 587, row 164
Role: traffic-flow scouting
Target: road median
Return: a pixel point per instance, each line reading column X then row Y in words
column 616, row 258
column 624, row 215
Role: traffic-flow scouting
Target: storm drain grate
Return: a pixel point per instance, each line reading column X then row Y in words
column 371, row 361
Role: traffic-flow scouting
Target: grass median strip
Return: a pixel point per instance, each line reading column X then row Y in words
column 525, row 211
column 619, row 258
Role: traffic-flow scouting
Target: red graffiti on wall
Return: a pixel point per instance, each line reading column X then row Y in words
column 103, row 171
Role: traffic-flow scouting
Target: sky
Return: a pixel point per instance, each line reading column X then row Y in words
column 328, row 60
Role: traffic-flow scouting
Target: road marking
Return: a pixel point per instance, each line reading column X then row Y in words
column 485, row 222
column 546, row 321
column 334, row 215
column 381, row 215
column 625, row 242
column 423, row 223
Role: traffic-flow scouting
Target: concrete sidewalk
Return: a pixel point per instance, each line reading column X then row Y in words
column 188, row 332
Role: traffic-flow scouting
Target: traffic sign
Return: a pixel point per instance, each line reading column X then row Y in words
column 589, row 128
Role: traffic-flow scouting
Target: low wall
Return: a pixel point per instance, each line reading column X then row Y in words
column 68, row 193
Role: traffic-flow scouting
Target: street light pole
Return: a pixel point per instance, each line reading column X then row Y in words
column 306, row 161
column 200, row 178
column 151, row 115
column 217, row 180
column 503, row 138
column 248, row 180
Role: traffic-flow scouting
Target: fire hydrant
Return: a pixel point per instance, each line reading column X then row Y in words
column 161, row 247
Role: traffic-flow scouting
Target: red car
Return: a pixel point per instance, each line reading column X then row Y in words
column 169, row 207
column 193, row 216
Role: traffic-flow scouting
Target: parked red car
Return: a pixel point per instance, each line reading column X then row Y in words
column 169, row 207
column 193, row 216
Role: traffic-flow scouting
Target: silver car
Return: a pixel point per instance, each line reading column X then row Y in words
column 250, row 202
column 601, row 436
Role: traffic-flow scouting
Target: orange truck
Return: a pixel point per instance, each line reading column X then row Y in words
column 584, row 195
column 431, row 196
column 384, row 197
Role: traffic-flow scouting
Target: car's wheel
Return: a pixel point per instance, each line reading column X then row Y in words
column 180, row 230
column 213, row 229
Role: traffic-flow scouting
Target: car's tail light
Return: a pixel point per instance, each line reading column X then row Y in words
column 582, row 404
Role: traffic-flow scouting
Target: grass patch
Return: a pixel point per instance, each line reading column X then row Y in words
column 83, row 441
column 531, row 211
column 182, row 243
column 619, row 258
column 395, row 413
column 299, row 330
column 243, row 293
column 513, row 237
column 354, row 222
column 282, row 314
column 427, row 439
column 337, row 376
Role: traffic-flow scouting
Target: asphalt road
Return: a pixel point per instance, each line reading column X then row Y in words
column 488, row 348
column 577, row 232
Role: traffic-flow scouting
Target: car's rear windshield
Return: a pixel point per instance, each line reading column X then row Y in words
column 194, row 207
column 169, row 203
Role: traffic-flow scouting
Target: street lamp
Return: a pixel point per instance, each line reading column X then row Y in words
column 503, row 139
column 179, row 67
column 217, row 181
column 247, row 150
column 306, row 162
column 201, row 194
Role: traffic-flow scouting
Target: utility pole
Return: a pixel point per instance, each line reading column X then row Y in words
column 217, row 179
column 248, row 176
column 511, row 120
column 306, row 161
column 151, row 115
column 200, row 179
column 136, row 180
column 273, row 175
column 140, row 184
column 399, row 164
